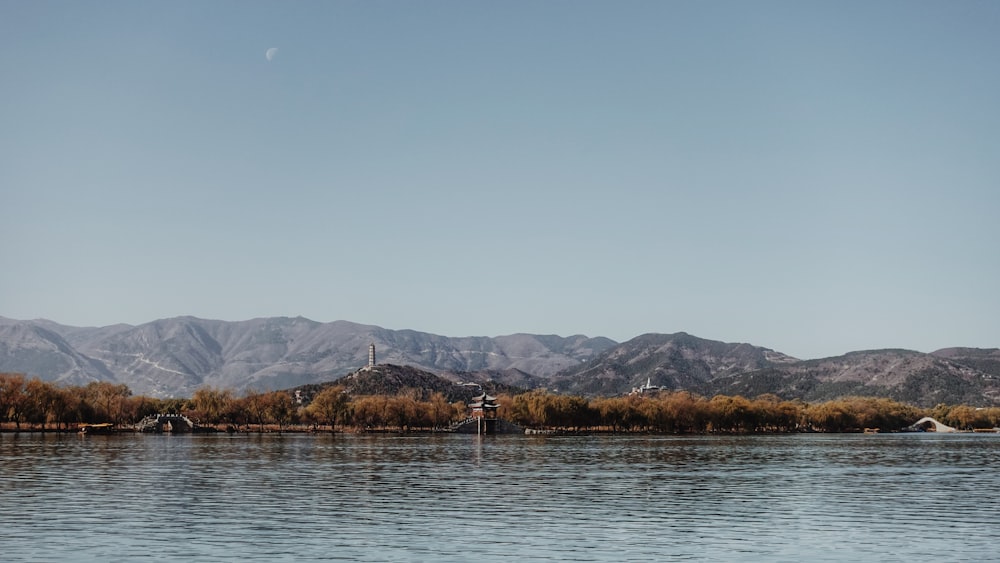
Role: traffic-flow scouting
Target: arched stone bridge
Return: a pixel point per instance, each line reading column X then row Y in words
column 931, row 425
column 471, row 425
column 166, row 423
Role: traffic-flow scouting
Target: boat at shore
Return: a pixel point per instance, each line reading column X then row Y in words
column 101, row 428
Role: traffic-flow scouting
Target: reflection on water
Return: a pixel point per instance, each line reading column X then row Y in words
column 459, row 497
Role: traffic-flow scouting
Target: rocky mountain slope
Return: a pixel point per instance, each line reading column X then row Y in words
column 681, row 361
column 36, row 350
column 903, row 375
column 173, row 357
column 986, row 360
column 390, row 379
column 674, row 361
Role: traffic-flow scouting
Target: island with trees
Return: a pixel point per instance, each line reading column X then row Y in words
column 31, row 404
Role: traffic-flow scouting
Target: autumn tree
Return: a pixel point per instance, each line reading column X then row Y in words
column 439, row 411
column 254, row 407
column 279, row 408
column 777, row 415
column 59, row 406
column 141, row 406
column 619, row 413
column 13, row 399
column 39, row 397
column 688, row 412
column 831, row 416
column 572, row 412
column 331, row 405
column 967, row 418
column 108, row 400
column 211, row 403
column 370, row 411
column 731, row 414
column 401, row 412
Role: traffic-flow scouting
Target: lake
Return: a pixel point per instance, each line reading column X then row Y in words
column 298, row 497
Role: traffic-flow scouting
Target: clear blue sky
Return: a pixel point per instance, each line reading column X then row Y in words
column 814, row 177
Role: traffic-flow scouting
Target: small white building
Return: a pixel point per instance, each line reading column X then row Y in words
column 647, row 388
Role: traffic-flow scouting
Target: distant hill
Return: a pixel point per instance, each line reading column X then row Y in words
column 512, row 378
column 173, row 357
column 37, row 350
column 674, row 361
column 903, row 375
column 681, row 361
column 986, row 360
column 390, row 379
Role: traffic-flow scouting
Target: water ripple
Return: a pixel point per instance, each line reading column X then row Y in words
column 550, row 498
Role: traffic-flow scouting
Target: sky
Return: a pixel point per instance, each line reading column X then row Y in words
column 812, row 177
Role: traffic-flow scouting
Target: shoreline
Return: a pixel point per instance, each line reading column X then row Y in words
column 428, row 432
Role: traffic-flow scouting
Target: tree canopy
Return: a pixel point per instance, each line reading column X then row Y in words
column 35, row 404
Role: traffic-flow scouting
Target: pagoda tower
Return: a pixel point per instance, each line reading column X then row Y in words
column 484, row 410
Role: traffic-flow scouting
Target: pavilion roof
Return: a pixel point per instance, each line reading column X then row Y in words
column 484, row 405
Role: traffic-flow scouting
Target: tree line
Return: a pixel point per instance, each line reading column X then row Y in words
column 35, row 404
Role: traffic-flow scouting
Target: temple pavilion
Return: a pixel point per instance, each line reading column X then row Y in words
column 484, row 410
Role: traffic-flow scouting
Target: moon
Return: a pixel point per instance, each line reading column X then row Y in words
column 270, row 53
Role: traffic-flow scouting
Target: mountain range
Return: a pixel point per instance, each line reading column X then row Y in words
column 173, row 357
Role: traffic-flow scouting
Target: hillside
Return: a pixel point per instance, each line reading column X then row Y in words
column 173, row 357
column 903, row 375
column 674, row 361
column 681, row 361
column 986, row 360
column 390, row 379
column 34, row 349
column 513, row 378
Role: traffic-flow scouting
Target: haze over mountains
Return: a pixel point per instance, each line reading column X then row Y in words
column 173, row 357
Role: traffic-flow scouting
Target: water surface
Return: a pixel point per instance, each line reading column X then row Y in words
column 532, row 498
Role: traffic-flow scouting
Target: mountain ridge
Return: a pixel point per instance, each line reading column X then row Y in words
column 173, row 357
column 684, row 362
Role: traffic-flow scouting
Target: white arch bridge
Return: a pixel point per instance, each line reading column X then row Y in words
column 929, row 424
column 166, row 423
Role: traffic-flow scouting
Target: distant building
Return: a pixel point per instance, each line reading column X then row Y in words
column 371, row 355
column 647, row 388
column 484, row 411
